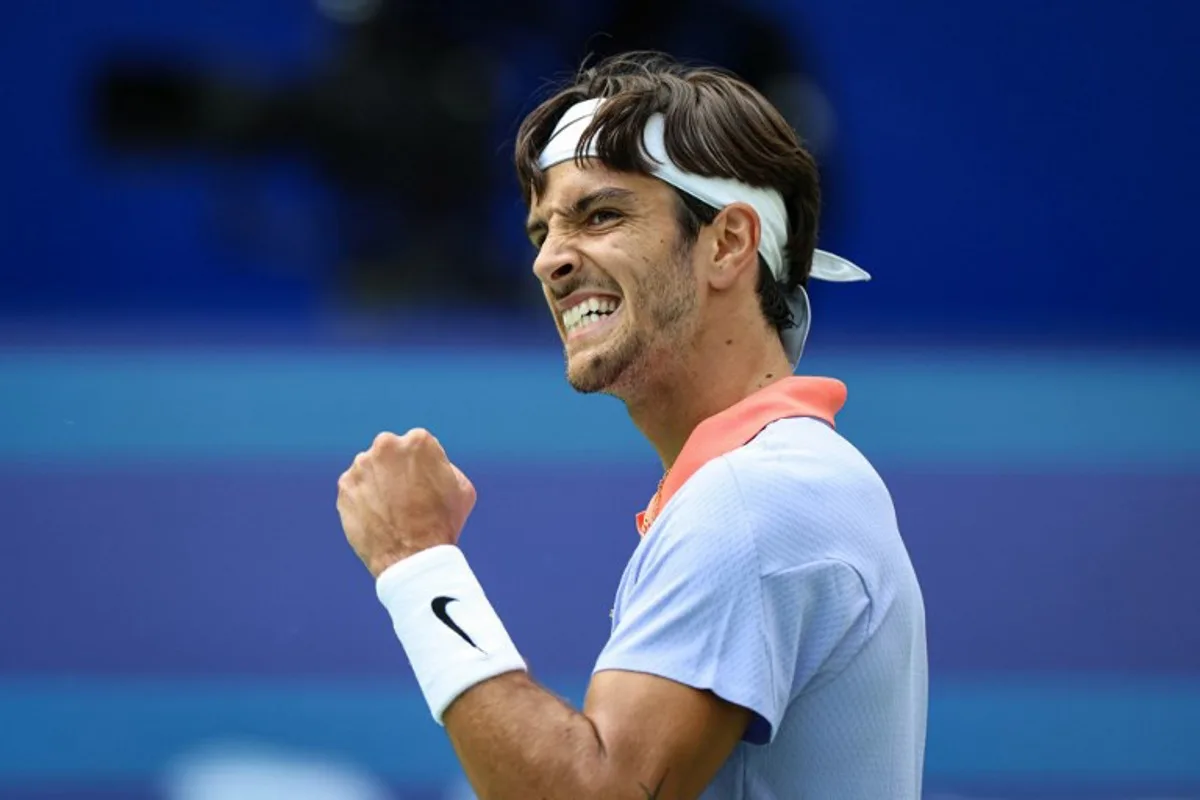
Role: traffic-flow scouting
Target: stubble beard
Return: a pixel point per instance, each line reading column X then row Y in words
column 603, row 371
column 630, row 358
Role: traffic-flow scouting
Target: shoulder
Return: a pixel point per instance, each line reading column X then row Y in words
column 803, row 456
column 796, row 472
column 799, row 493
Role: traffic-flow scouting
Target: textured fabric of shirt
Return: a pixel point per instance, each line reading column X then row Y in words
column 777, row 579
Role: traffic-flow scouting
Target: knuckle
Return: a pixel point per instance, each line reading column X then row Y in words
column 384, row 440
column 430, row 443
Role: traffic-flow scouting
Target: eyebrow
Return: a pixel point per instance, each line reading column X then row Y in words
column 536, row 225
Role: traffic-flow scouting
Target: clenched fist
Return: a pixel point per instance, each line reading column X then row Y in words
column 401, row 497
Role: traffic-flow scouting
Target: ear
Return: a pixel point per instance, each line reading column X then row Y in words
column 734, row 232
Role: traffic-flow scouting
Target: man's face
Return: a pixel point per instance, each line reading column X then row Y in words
column 618, row 282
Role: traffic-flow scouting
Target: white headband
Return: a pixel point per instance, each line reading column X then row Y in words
column 718, row 193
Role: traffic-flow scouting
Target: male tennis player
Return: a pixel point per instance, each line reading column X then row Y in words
column 768, row 637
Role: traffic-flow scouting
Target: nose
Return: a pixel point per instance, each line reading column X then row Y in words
column 555, row 262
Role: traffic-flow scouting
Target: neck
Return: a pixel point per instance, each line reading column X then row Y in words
column 719, row 373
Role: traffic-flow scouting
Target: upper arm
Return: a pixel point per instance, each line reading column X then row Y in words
column 669, row 738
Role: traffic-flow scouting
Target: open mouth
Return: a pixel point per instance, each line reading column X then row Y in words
column 590, row 316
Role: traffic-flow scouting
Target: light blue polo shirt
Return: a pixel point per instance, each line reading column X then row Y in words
column 775, row 577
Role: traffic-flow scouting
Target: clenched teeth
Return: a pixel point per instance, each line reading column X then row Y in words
column 588, row 312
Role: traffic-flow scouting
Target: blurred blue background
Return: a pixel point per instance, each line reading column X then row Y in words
column 240, row 238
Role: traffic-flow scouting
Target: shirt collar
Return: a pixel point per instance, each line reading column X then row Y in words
column 819, row 398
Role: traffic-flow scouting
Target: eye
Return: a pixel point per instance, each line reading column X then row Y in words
column 603, row 216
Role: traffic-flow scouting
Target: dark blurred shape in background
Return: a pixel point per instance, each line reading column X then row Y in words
column 395, row 118
column 398, row 115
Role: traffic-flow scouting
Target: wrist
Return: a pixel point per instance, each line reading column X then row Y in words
column 382, row 562
column 402, row 565
column 450, row 632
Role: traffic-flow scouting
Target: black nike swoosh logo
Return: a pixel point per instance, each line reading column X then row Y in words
column 438, row 604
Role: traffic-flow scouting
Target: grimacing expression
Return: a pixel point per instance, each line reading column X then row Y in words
column 615, row 274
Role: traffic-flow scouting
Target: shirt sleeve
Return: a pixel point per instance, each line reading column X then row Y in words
column 699, row 610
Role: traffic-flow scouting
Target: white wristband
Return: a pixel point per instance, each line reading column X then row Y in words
column 452, row 636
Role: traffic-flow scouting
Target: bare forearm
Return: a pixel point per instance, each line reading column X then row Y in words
column 517, row 740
